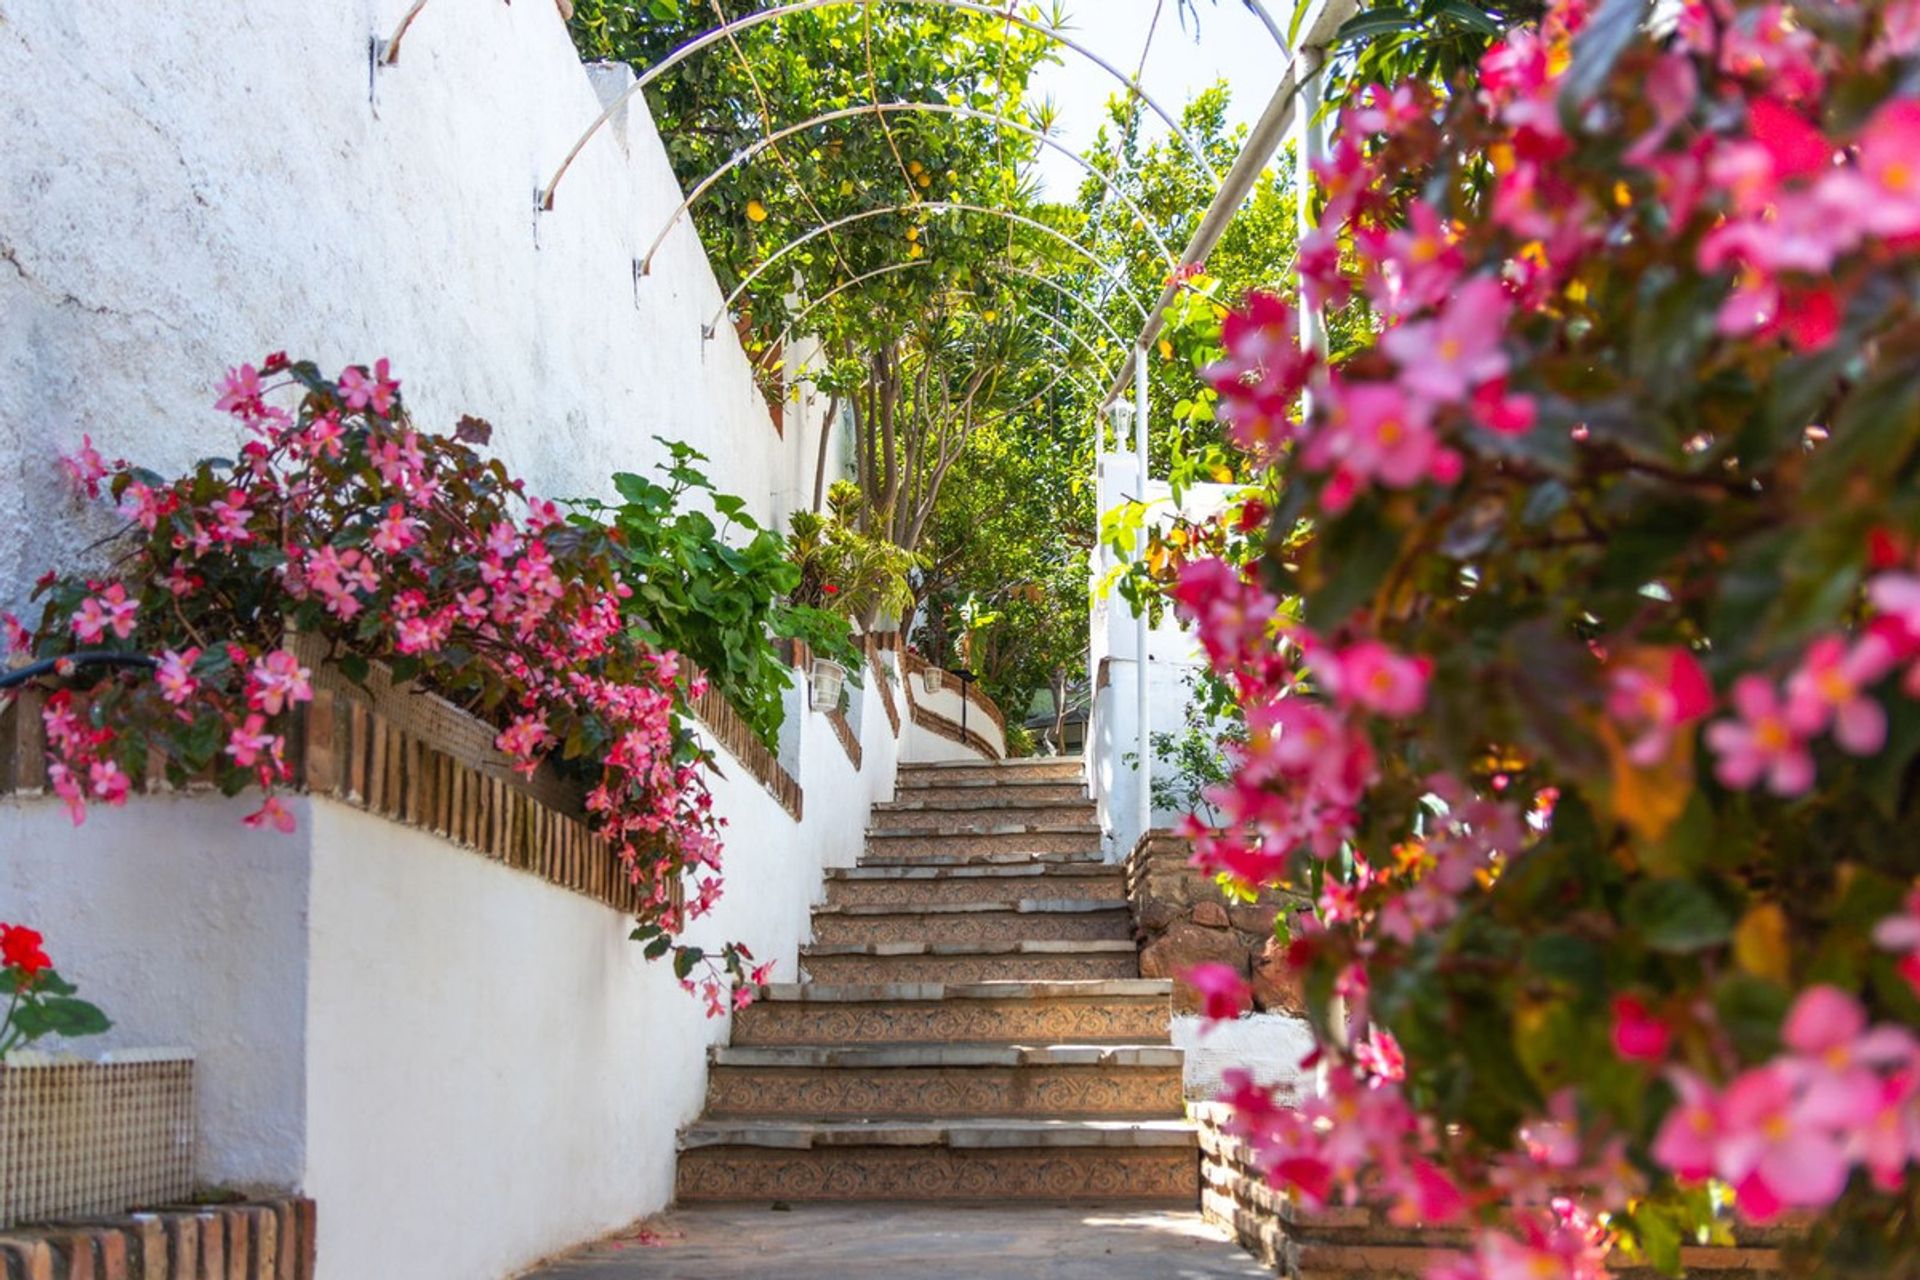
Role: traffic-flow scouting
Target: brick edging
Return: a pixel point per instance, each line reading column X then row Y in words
column 884, row 679
column 252, row 1240
column 1354, row 1242
column 843, row 730
column 941, row 727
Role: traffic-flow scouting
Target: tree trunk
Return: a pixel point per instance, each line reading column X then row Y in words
column 820, row 464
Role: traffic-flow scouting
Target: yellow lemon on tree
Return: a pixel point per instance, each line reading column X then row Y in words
column 924, row 180
column 914, row 251
column 913, row 233
column 914, row 167
column 991, row 316
column 756, row 212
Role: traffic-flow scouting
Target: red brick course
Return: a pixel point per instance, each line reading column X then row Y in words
column 265, row 1240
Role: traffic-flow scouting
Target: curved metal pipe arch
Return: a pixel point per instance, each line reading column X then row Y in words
column 880, row 109
column 750, row 20
column 927, row 206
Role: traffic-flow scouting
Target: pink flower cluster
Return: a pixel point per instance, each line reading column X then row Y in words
column 342, row 520
column 1787, row 1134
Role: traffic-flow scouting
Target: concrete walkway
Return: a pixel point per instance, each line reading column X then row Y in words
column 912, row 1242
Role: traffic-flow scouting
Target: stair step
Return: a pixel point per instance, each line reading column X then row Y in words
column 1023, row 839
column 913, row 885
column 988, row 794
column 1065, row 769
column 1077, row 816
column 969, row 962
column 946, row 1081
column 1058, row 919
column 1131, row 1011
column 978, row 1159
column 889, row 857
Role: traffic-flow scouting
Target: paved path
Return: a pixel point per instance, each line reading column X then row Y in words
column 912, row 1242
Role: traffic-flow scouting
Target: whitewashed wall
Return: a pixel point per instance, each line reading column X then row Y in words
column 468, row 1067
column 923, row 746
column 187, row 186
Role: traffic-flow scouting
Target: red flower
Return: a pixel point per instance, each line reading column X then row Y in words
column 830, row 589
column 20, row 949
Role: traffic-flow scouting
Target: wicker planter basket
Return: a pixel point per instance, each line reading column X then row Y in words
column 84, row 1137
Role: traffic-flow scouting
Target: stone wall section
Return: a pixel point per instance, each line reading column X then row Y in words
column 1361, row 1242
column 1184, row 918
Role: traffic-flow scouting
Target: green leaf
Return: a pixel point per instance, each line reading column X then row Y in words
column 685, row 959
column 1383, row 20
column 1677, row 916
column 1599, row 45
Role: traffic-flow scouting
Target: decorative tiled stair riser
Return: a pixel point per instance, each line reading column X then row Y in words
column 973, row 1026
column 911, row 887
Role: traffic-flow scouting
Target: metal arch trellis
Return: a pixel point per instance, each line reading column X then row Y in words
column 1114, row 334
column 821, row 301
column 881, row 109
column 925, row 206
column 1066, row 293
column 747, row 21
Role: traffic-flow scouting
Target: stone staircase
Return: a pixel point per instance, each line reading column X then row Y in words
column 973, row 1027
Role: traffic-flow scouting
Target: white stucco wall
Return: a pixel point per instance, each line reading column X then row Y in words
column 190, row 930
column 468, row 1067
column 923, row 746
column 231, row 190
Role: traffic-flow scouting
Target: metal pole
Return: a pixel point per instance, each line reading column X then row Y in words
column 1145, row 806
column 1311, row 145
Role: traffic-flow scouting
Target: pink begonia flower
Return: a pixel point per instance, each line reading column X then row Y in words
column 250, row 740
column 69, row 790
column 1501, row 411
column 1899, row 32
column 1901, row 934
column 1882, row 191
column 1382, row 681
column 84, row 468
column 1416, row 266
column 1375, row 432
column 522, row 739
column 107, row 782
column 394, row 533
column 1446, row 358
column 271, row 813
column 1761, row 742
column 1770, row 1152
column 240, row 392
column 175, row 675
column 1264, row 370
column 1688, row 1135
column 1639, row 1036
column 1224, row 994
column 1654, row 692
column 277, row 682
column 362, row 392
column 111, row 610
column 1889, row 1140
column 19, row 640
column 230, row 518
column 1826, row 690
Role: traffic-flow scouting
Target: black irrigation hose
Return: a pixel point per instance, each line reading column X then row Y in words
column 86, row 658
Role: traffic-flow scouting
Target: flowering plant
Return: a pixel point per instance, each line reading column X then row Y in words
column 1596, row 735
column 342, row 522
column 39, row 1001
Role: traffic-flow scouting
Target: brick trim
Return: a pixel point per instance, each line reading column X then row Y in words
column 916, row 664
column 884, row 678
column 740, row 742
column 420, row 771
column 843, row 730
column 253, row 1240
column 941, row 727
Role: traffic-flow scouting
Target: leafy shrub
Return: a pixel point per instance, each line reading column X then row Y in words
column 719, row 601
